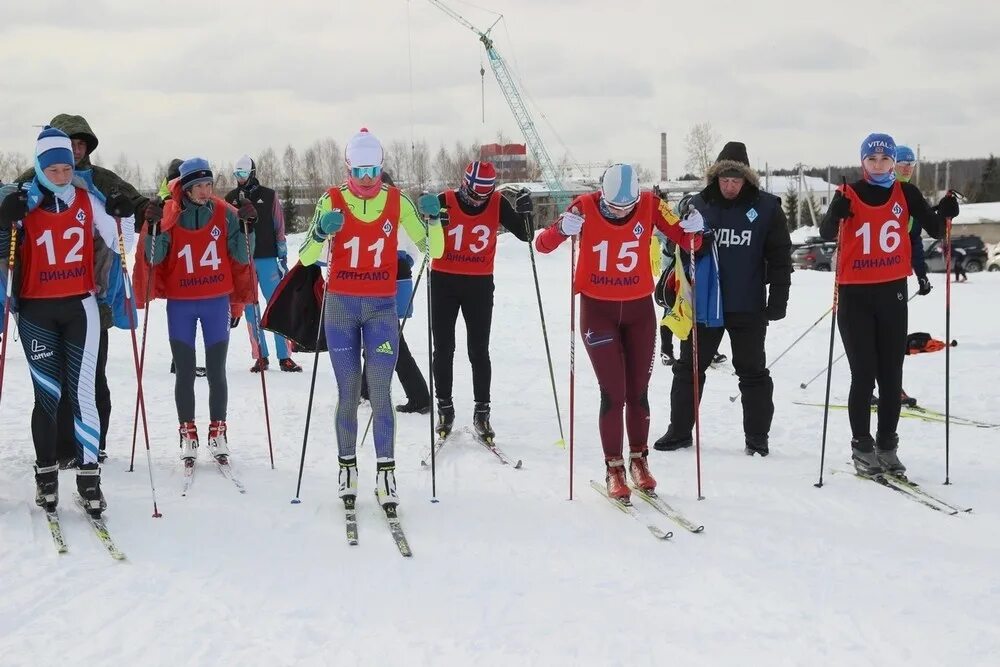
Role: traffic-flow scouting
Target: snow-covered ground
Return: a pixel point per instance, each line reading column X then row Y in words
column 506, row 570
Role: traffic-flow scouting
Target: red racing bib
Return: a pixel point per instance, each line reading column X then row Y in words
column 614, row 260
column 875, row 241
column 470, row 241
column 197, row 264
column 57, row 251
column 364, row 253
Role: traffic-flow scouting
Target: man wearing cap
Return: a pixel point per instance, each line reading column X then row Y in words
column 754, row 250
column 269, row 255
column 462, row 280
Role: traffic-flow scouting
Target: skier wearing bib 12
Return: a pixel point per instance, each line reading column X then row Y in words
column 462, row 280
column 617, row 319
column 362, row 219
column 65, row 246
column 200, row 245
column 869, row 219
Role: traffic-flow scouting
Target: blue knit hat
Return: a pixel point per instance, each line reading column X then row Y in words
column 195, row 171
column 905, row 154
column 878, row 143
column 53, row 147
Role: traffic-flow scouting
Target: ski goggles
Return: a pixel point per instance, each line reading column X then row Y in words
column 361, row 172
column 242, row 174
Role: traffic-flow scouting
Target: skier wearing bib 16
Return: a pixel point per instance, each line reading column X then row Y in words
column 462, row 280
column 65, row 246
column 617, row 318
column 199, row 249
column 869, row 219
column 361, row 219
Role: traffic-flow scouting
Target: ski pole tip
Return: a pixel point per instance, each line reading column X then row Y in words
column 560, row 443
column 296, row 501
column 435, row 500
column 157, row 515
column 818, row 485
column 802, row 385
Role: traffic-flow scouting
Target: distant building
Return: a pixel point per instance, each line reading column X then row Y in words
column 510, row 160
column 813, row 186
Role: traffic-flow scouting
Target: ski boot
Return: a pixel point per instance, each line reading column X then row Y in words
column 667, row 358
column 615, row 479
column 88, row 484
column 638, row 467
column 906, row 400
column 719, row 359
column 885, row 452
column 47, row 487
column 261, row 364
column 411, row 407
column 289, row 366
column 189, row 442
column 385, row 483
column 218, row 443
column 446, row 418
column 863, row 455
column 672, row 441
column 756, row 444
column 348, row 477
column 481, row 422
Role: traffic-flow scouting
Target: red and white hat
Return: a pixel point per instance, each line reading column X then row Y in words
column 480, row 179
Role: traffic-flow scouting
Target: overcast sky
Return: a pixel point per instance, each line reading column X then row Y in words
column 796, row 81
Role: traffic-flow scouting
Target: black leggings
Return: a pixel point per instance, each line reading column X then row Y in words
column 873, row 321
column 473, row 295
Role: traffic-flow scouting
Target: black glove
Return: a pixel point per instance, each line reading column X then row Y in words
column 13, row 208
column 948, row 206
column 234, row 322
column 840, row 207
column 523, row 203
column 118, row 205
column 153, row 215
column 925, row 286
column 107, row 320
column 444, row 216
column 776, row 311
column 777, row 302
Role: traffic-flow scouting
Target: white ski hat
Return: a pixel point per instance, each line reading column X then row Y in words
column 363, row 150
column 245, row 163
column 620, row 185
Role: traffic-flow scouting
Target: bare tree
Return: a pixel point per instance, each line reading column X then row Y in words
column 331, row 161
column 268, row 168
column 12, row 165
column 397, row 161
column 290, row 167
column 311, row 177
column 644, row 174
column 700, row 144
column 420, row 165
column 224, row 179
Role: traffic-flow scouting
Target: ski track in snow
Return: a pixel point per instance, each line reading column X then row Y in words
column 506, row 570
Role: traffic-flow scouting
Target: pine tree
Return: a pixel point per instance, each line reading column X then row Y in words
column 989, row 185
column 792, row 207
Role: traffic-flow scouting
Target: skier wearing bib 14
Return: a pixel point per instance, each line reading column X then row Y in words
column 617, row 319
column 362, row 219
column 870, row 220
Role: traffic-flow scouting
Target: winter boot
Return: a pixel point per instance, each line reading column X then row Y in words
column 756, row 444
column 866, row 462
column 88, row 484
column 672, row 441
column 218, row 443
column 261, row 364
column 667, row 358
column 481, row 422
column 907, row 400
column 289, row 366
column 615, row 479
column 348, row 476
column 446, row 418
column 886, row 453
column 189, row 442
column 412, row 406
column 719, row 359
column 385, row 483
column 639, row 468
column 47, row 487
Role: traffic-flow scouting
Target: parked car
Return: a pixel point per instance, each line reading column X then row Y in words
column 974, row 258
column 993, row 263
column 818, row 256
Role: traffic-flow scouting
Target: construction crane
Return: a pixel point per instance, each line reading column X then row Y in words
column 517, row 106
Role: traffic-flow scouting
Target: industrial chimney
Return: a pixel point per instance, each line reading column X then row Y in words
column 663, row 156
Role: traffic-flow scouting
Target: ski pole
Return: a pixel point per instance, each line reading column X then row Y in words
column 696, row 368
column 312, row 384
column 255, row 341
column 430, row 359
column 140, row 399
column 142, row 350
column 6, row 306
column 572, row 360
column 947, row 354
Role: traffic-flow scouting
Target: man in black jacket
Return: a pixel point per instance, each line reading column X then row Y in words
column 751, row 236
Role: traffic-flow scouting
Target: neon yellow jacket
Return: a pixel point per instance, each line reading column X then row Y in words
column 370, row 210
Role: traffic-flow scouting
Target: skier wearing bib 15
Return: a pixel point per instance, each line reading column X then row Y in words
column 199, row 249
column 462, row 280
column 361, row 219
column 65, row 246
column 617, row 319
column 869, row 219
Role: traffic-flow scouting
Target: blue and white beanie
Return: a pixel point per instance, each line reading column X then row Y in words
column 905, row 154
column 195, row 171
column 53, row 147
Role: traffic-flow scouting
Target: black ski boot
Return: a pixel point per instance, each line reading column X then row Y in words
column 88, row 484
column 756, row 444
column 672, row 441
column 47, row 487
column 667, row 357
column 719, row 359
column 481, row 422
column 446, row 418
column 412, row 406
column 866, row 462
column 907, row 400
column 886, row 453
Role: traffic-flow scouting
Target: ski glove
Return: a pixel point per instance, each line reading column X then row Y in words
column 925, row 286
column 693, row 223
column 570, row 223
column 107, row 318
column 247, row 211
column 282, row 266
column 154, row 214
column 331, row 222
column 948, row 206
column 430, row 206
column 523, row 203
column 444, row 217
column 118, row 205
column 234, row 322
column 840, row 207
column 13, row 208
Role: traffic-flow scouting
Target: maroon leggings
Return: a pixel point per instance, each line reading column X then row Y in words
column 620, row 336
